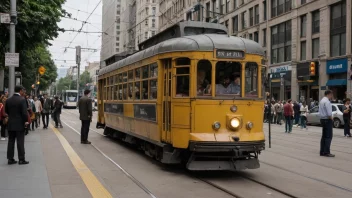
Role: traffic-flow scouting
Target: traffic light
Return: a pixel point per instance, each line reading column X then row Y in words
column 312, row 69
column 38, row 82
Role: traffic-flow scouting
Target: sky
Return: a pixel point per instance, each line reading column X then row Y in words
column 80, row 10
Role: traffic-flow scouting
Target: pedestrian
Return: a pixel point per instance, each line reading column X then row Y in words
column 297, row 113
column 347, row 117
column 85, row 114
column 288, row 113
column 304, row 111
column 38, row 108
column 4, row 119
column 57, row 112
column 325, row 113
column 2, row 106
column 266, row 111
column 273, row 115
column 32, row 111
column 46, row 111
column 16, row 109
column 278, row 110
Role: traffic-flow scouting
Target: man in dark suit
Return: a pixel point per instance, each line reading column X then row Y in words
column 16, row 109
column 85, row 115
column 47, row 107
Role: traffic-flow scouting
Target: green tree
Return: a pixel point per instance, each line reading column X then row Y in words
column 37, row 25
column 64, row 84
column 84, row 79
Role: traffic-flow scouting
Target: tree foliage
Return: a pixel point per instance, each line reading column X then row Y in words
column 37, row 24
column 67, row 83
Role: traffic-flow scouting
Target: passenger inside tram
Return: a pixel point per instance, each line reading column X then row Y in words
column 204, row 78
column 228, row 78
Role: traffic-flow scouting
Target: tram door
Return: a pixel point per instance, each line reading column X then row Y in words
column 166, row 97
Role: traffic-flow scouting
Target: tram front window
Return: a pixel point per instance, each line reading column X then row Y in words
column 251, row 83
column 228, row 79
column 71, row 97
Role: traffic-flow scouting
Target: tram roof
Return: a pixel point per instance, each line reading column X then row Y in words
column 204, row 42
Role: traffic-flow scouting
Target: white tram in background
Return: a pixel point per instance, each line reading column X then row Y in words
column 70, row 99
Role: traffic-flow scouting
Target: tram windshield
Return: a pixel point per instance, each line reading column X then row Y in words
column 228, row 79
column 71, row 97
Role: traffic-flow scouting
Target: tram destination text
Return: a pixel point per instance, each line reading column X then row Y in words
column 229, row 54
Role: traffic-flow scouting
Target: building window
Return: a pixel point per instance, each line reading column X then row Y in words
column 315, row 22
column 153, row 23
column 153, row 33
column 303, row 50
column 227, row 24
column 227, row 6
column 279, row 7
column 146, row 35
column 147, row 11
column 251, row 17
column 315, row 48
column 234, row 4
column 235, row 24
column 256, row 14
column 256, row 39
column 153, row 11
column 214, row 8
column 264, row 37
column 281, row 42
column 146, row 22
column 243, row 14
column 264, row 6
column 250, row 36
column 222, row 6
column 338, row 29
column 303, row 2
column 303, row 25
column 208, row 9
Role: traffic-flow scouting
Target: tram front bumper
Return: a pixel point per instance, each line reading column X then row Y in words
column 224, row 156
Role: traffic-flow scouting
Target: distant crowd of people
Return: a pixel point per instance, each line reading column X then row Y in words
column 294, row 112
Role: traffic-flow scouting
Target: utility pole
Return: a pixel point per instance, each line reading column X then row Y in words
column 13, row 14
column 78, row 61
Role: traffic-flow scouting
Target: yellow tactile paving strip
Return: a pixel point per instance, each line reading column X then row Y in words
column 96, row 189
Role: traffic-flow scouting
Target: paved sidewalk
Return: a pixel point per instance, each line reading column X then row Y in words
column 30, row 181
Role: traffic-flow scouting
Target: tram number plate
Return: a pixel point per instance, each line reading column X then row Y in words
column 229, row 54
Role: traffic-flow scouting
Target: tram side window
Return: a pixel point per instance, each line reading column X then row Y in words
column 130, row 75
column 204, row 78
column 125, row 91
column 116, row 92
column 137, row 73
column 130, row 91
column 251, row 82
column 182, row 82
column 228, row 78
column 124, row 74
column 153, row 82
column 145, row 90
column 120, row 91
column 137, row 91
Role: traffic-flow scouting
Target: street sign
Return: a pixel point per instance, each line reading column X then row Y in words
column 12, row 59
column 5, row 18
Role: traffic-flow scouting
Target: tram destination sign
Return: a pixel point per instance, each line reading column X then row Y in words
column 229, row 54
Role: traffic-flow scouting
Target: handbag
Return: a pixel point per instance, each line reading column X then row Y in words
column 5, row 121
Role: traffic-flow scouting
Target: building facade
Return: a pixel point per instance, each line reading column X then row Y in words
column 111, row 24
column 92, row 69
column 307, row 42
column 147, row 23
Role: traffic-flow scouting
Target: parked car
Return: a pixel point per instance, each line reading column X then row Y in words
column 313, row 115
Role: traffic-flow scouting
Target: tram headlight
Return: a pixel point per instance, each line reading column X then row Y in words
column 216, row 125
column 235, row 123
column 250, row 125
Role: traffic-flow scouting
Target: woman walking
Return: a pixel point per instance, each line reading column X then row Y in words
column 346, row 117
column 3, row 118
column 304, row 111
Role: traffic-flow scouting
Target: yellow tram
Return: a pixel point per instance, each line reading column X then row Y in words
column 194, row 99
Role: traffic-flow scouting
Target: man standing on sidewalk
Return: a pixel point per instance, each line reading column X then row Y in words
column 38, row 107
column 16, row 109
column 85, row 115
column 325, row 113
column 46, row 111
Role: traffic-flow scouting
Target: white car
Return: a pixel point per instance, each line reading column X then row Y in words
column 313, row 115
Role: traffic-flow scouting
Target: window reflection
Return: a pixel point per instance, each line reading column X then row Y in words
column 228, row 78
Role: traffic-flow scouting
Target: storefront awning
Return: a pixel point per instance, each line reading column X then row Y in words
column 336, row 82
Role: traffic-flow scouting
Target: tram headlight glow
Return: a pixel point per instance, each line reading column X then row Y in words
column 216, row 125
column 235, row 123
